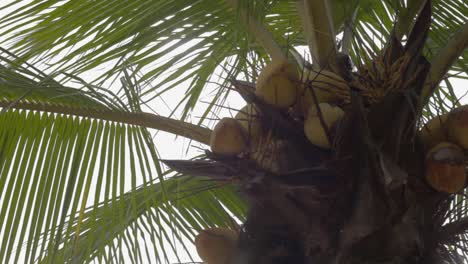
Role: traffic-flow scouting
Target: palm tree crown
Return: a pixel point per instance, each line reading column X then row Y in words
column 82, row 83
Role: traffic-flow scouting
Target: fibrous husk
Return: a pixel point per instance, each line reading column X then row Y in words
column 248, row 118
column 327, row 86
column 313, row 128
column 216, row 245
column 277, row 84
column 269, row 154
column 228, row 138
column 434, row 131
column 457, row 123
column 445, row 168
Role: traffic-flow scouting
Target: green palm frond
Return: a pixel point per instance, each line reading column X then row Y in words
column 139, row 37
column 75, row 181
column 26, row 83
column 146, row 214
column 90, row 34
column 144, row 34
column 80, row 177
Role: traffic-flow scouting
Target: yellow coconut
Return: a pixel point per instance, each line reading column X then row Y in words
column 434, row 131
column 248, row 117
column 445, row 169
column 457, row 123
column 313, row 128
column 216, row 245
column 327, row 86
column 228, row 138
column 277, row 83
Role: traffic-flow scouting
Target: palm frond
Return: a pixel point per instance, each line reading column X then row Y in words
column 69, row 172
column 130, row 35
column 184, row 205
column 145, row 34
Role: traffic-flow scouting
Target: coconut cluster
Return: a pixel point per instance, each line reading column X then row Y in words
column 312, row 97
column 446, row 139
column 297, row 116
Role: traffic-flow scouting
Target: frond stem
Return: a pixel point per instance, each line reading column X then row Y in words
column 318, row 28
column 441, row 62
column 348, row 33
column 148, row 120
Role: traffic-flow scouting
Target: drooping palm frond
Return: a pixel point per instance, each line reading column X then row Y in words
column 202, row 31
column 145, row 34
column 29, row 84
column 144, row 217
column 70, row 177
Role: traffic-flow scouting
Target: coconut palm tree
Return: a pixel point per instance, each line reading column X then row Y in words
column 82, row 178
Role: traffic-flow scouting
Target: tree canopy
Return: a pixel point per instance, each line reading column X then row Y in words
column 81, row 89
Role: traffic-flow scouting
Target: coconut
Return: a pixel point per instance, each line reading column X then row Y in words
column 249, row 119
column 228, row 138
column 327, row 86
column 445, row 169
column 457, row 123
column 434, row 131
column 216, row 245
column 313, row 128
column 277, row 84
